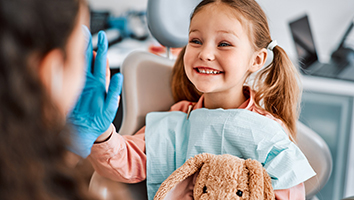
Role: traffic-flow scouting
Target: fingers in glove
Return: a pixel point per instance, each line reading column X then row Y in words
column 108, row 75
column 99, row 70
column 108, row 71
column 114, row 90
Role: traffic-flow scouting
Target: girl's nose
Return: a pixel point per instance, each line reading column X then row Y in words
column 206, row 54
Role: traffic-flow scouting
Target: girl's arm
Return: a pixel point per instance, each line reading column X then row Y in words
column 295, row 193
column 121, row 158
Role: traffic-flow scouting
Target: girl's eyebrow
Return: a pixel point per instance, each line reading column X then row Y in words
column 193, row 30
column 228, row 32
column 220, row 31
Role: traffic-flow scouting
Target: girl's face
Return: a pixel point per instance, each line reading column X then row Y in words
column 219, row 54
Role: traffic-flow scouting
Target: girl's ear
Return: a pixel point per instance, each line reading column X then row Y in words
column 259, row 59
column 50, row 71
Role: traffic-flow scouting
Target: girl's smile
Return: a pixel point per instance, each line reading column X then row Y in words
column 207, row 71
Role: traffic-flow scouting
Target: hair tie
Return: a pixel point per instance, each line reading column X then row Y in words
column 272, row 44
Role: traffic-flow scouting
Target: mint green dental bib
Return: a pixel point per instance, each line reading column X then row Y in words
column 171, row 139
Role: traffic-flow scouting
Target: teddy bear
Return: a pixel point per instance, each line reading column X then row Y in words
column 221, row 177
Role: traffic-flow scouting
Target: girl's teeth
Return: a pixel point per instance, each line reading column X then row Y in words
column 203, row 71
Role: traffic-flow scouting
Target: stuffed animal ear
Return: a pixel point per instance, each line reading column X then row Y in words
column 260, row 185
column 268, row 188
column 190, row 167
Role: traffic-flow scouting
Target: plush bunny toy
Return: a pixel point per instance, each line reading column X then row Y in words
column 221, row 177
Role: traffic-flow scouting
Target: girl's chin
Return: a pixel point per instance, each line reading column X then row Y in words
column 205, row 90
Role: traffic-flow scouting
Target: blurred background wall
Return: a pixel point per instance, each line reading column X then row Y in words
column 118, row 7
column 328, row 19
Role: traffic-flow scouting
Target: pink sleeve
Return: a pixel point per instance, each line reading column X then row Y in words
column 121, row 158
column 295, row 193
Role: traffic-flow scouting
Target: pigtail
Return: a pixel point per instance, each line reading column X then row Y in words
column 278, row 90
column 182, row 88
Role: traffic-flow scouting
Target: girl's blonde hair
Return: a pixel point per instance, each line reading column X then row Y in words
column 276, row 86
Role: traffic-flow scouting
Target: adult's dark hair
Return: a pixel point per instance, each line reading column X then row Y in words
column 32, row 150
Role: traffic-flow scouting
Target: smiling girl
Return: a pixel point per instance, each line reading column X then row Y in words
column 228, row 41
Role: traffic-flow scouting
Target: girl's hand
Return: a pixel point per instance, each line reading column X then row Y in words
column 97, row 105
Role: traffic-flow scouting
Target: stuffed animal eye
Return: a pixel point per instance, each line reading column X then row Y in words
column 239, row 193
column 204, row 189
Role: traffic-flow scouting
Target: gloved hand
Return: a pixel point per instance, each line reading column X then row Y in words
column 96, row 108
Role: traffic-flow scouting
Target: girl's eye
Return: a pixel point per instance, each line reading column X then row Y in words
column 195, row 41
column 224, row 44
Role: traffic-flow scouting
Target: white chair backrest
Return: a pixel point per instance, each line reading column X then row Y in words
column 146, row 88
column 168, row 20
column 318, row 154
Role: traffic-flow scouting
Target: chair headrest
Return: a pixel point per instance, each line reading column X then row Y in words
column 168, row 20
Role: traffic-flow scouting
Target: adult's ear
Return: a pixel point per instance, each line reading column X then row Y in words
column 259, row 185
column 258, row 60
column 50, row 71
column 190, row 167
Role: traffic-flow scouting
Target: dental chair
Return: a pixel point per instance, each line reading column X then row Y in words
column 146, row 88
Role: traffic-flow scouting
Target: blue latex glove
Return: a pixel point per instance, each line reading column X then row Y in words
column 96, row 107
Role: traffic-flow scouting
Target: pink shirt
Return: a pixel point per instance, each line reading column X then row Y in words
column 123, row 158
